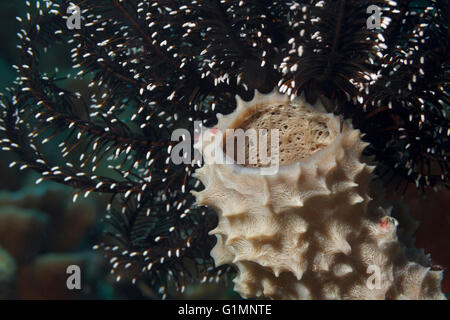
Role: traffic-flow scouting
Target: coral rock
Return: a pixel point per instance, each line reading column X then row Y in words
column 46, row 277
column 22, row 232
column 8, row 271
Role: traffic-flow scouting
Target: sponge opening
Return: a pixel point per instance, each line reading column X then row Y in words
column 302, row 130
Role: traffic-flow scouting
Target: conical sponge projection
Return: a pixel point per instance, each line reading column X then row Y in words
column 312, row 227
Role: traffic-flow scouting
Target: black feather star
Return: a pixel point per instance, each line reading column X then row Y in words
column 146, row 68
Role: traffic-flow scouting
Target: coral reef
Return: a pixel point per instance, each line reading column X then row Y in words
column 8, row 270
column 41, row 234
column 46, row 276
column 22, row 232
column 317, row 228
column 94, row 107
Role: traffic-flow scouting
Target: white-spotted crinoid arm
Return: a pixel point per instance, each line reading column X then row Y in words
column 311, row 230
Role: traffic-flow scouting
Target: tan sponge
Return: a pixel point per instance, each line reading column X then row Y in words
column 316, row 228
